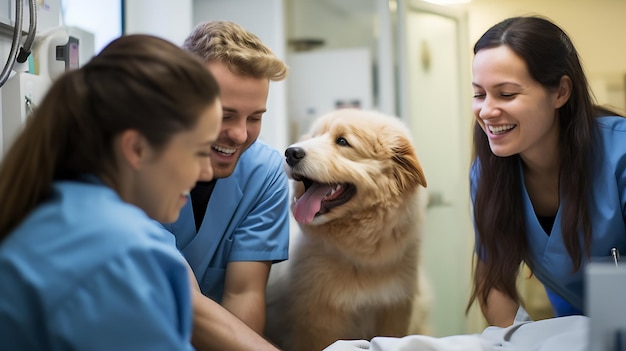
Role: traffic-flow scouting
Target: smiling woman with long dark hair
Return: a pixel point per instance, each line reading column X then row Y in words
column 548, row 181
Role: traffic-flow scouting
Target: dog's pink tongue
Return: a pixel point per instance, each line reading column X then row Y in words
column 310, row 203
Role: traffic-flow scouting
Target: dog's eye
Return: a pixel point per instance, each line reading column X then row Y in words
column 342, row 141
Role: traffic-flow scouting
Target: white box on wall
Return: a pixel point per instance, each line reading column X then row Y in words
column 324, row 80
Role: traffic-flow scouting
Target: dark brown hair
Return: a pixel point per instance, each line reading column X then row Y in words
column 137, row 82
column 501, row 241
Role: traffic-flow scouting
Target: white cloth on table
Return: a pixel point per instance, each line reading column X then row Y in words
column 556, row 334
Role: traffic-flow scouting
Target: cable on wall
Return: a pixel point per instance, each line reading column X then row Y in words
column 15, row 41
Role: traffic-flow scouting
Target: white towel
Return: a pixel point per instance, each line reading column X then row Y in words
column 471, row 342
column 555, row 334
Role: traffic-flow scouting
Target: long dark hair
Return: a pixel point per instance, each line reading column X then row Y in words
column 498, row 214
column 137, row 82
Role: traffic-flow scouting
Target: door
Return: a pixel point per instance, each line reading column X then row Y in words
column 435, row 100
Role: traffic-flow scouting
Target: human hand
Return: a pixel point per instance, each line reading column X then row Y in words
column 348, row 345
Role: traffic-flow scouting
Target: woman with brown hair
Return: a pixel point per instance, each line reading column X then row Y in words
column 114, row 147
column 548, row 181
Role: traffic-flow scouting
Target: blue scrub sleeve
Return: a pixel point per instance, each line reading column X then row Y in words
column 140, row 301
column 560, row 306
column 264, row 234
column 474, row 174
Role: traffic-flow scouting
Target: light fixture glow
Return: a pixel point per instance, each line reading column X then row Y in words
column 448, row 2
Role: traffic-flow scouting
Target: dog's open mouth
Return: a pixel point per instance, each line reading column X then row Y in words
column 319, row 198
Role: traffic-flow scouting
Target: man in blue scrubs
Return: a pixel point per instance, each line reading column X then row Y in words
column 237, row 225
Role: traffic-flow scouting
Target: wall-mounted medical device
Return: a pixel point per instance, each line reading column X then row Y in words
column 54, row 52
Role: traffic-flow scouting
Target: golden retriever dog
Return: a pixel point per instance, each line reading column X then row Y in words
column 353, row 266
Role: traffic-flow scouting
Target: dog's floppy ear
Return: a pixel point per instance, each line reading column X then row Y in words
column 409, row 174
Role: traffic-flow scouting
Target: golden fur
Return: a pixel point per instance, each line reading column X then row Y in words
column 353, row 270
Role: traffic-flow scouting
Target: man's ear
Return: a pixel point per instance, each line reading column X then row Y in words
column 133, row 147
column 564, row 92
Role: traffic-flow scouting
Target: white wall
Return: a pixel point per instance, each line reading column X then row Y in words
column 171, row 20
column 341, row 23
column 102, row 19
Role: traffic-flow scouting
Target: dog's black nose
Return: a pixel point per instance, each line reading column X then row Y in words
column 293, row 155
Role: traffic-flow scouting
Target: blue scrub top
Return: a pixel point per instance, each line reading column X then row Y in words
column 87, row 271
column 549, row 260
column 247, row 219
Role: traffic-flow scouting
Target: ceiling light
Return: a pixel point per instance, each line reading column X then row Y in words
column 448, row 2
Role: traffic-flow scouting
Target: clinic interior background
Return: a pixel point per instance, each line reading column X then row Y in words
column 407, row 58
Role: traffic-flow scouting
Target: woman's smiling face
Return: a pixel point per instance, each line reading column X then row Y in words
column 168, row 175
column 516, row 112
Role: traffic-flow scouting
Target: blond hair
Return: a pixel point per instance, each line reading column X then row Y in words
column 241, row 51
